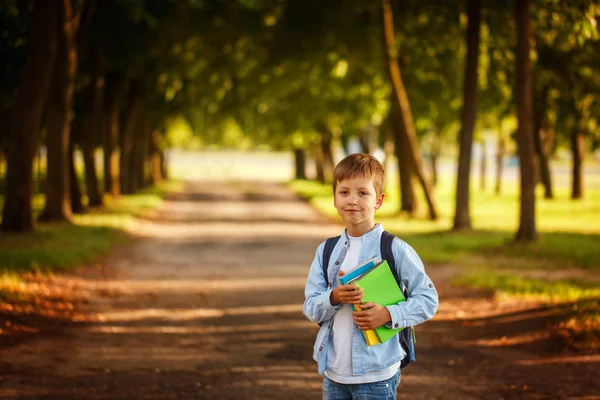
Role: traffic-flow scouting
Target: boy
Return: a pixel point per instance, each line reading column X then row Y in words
column 351, row 368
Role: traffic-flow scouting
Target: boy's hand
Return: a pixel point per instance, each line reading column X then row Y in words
column 347, row 294
column 373, row 316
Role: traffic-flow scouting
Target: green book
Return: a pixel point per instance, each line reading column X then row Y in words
column 380, row 286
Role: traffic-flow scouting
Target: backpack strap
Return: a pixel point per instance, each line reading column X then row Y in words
column 407, row 335
column 329, row 245
column 387, row 254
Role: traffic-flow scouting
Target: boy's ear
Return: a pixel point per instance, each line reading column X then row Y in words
column 379, row 201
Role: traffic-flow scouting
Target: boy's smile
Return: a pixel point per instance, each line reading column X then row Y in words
column 356, row 201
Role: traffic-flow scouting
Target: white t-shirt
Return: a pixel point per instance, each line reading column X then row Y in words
column 339, row 351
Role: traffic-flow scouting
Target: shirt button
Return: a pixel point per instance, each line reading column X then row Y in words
column 321, row 348
column 345, row 242
column 395, row 325
column 337, row 263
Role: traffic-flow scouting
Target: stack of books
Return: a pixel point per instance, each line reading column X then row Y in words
column 379, row 286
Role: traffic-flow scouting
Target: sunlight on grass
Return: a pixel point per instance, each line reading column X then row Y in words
column 511, row 286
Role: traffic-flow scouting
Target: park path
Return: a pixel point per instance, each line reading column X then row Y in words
column 206, row 303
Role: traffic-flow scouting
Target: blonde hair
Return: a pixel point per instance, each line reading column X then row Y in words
column 359, row 165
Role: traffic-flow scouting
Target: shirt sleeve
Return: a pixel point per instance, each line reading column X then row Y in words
column 422, row 301
column 317, row 306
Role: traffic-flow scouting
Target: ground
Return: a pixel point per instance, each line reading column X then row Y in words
column 206, row 303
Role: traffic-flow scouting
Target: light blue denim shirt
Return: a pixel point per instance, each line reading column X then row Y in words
column 421, row 304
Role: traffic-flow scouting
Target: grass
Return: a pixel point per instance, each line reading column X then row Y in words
column 57, row 247
column 550, row 291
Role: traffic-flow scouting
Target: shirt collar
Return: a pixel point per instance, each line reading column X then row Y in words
column 370, row 234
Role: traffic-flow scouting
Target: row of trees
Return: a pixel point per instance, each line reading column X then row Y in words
column 297, row 75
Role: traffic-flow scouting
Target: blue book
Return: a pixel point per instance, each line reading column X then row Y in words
column 360, row 270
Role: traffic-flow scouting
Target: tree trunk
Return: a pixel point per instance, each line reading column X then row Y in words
column 112, row 106
column 319, row 169
column 401, row 98
column 139, row 153
column 91, row 124
column 435, row 155
column 127, row 136
column 60, row 106
column 523, row 90
column 155, row 159
column 539, row 114
column 300, row 163
column 30, row 99
column 328, row 163
column 462, row 217
column 500, row 153
column 577, row 149
column 76, row 203
column 408, row 200
column 365, row 140
column 164, row 165
column 483, row 166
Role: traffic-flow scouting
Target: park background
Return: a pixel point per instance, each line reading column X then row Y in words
column 484, row 114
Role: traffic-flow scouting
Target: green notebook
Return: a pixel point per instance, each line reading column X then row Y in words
column 379, row 286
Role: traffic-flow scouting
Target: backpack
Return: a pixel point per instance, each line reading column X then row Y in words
column 406, row 335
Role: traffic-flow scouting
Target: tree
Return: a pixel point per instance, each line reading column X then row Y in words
column 524, row 93
column 462, row 218
column 29, row 103
column 59, row 108
column 401, row 98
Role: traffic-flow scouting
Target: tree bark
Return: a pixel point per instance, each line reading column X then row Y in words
column 140, row 152
column 328, row 163
column 523, row 90
column 127, row 136
column 408, row 200
column 401, row 98
column 30, row 99
column 111, row 110
column 91, row 123
column 539, row 114
column 319, row 169
column 577, row 149
column 462, row 217
column 155, row 159
column 435, row 155
column 60, row 106
column 300, row 163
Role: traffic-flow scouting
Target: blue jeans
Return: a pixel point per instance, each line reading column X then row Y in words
column 382, row 390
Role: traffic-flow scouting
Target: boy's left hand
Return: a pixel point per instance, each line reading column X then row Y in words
column 373, row 316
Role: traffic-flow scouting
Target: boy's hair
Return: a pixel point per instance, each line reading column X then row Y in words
column 359, row 165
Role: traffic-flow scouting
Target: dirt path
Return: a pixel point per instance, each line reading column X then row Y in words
column 207, row 304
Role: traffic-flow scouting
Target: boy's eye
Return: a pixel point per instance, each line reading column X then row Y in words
column 364, row 193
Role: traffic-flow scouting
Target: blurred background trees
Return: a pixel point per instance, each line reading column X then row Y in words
column 119, row 82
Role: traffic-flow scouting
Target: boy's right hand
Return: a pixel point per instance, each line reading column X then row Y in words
column 347, row 294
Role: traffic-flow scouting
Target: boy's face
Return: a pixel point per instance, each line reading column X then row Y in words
column 356, row 201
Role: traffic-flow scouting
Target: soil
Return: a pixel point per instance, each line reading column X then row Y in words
column 206, row 303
